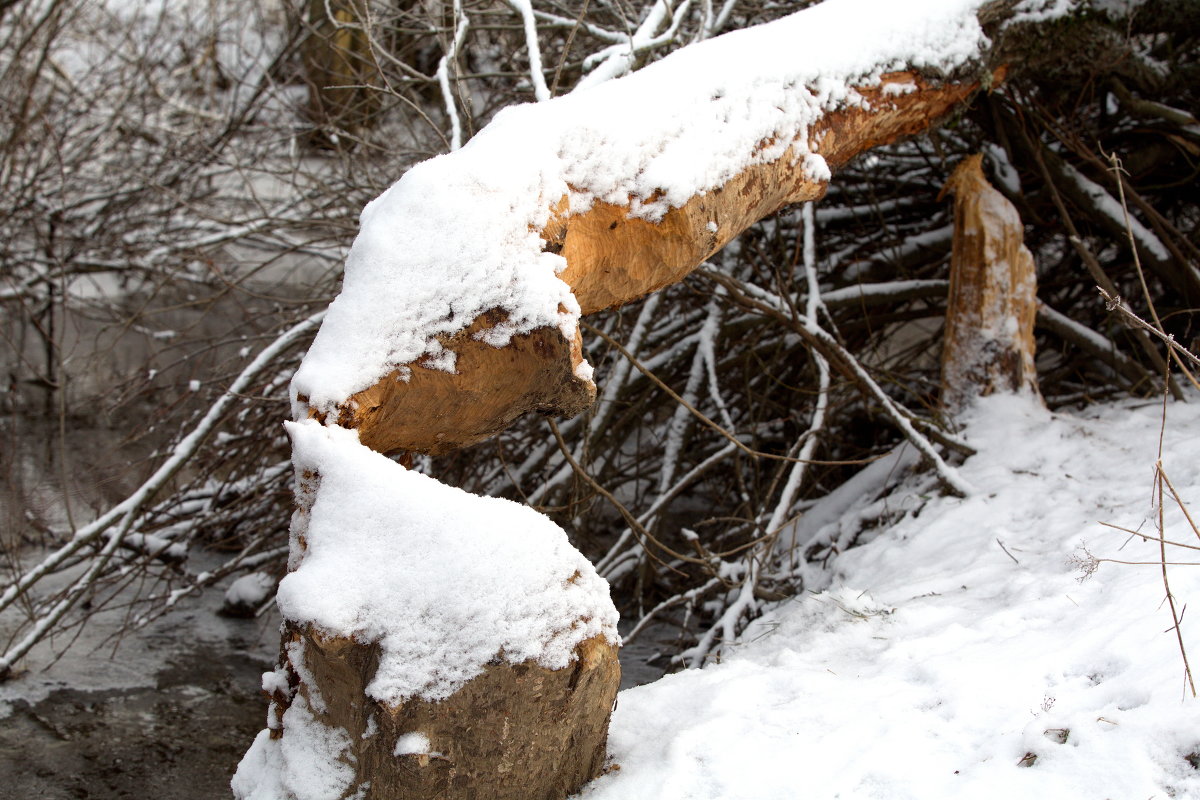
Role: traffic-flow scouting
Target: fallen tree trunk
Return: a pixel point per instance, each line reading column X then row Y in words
column 614, row 256
column 471, row 272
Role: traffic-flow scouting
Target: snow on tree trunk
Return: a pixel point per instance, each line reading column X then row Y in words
column 438, row 644
column 614, row 252
column 988, row 345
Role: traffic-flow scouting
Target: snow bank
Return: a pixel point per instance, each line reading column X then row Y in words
column 937, row 664
column 458, row 235
column 445, row 581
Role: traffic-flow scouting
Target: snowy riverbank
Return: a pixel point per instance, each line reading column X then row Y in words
column 962, row 652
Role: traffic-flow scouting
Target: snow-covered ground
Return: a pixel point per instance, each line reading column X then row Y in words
column 970, row 650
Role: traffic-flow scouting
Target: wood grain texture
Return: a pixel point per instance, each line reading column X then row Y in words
column 434, row 411
column 515, row 732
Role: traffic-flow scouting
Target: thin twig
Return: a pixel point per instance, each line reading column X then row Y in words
column 124, row 514
column 630, row 520
column 1005, row 549
column 700, row 415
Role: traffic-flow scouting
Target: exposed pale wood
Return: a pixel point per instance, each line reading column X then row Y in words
column 613, row 258
column 990, row 313
column 434, row 411
column 515, row 732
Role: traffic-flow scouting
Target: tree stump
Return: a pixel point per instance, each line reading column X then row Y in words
column 516, row 732
column 436, row 643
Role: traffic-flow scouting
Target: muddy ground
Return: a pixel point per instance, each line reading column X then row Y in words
column 180, row 737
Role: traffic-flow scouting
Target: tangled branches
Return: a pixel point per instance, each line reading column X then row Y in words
column 190, row 189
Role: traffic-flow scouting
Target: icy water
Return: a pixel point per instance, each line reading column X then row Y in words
column 169, row 712
column 183, row 707
column 176, row 729
column 167, row 715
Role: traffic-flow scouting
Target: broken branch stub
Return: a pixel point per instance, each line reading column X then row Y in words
column 613, row 257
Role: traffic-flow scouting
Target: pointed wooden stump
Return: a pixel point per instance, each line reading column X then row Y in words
column 989, row 345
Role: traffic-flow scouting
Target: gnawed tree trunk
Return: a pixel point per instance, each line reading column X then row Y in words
column 515, row 732
column 988, row 344
column 459, row 312
column 614, row 256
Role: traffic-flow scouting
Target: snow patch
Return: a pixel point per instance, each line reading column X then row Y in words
column 309, row 762
column 444, row 580
column 952, row 660
column 412, row 744
column 1042, row 10
column 250, row 591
